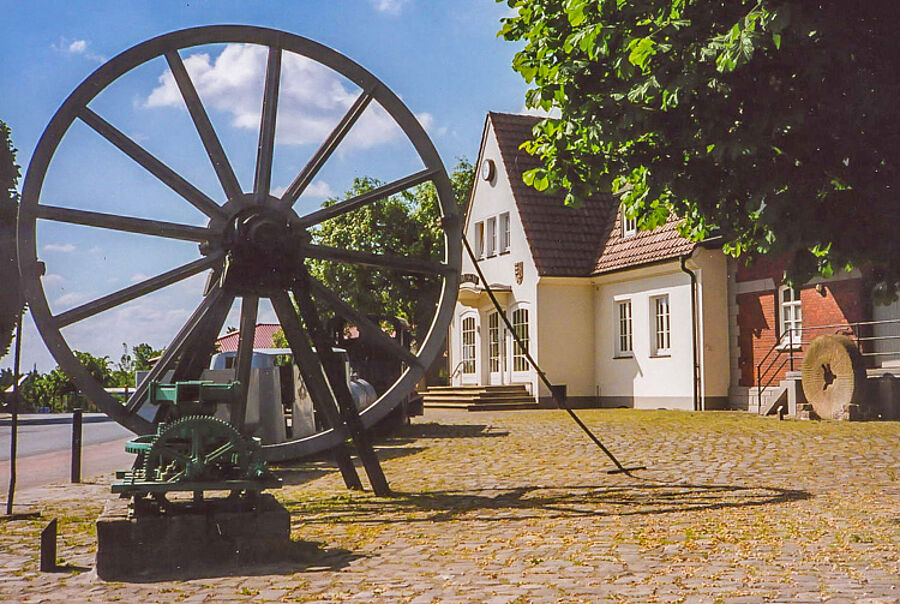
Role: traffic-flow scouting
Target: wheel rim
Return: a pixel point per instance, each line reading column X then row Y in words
column 209, row 313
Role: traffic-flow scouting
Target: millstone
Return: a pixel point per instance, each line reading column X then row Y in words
column 833, row 375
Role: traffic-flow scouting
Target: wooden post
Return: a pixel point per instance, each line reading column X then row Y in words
column 48, row 547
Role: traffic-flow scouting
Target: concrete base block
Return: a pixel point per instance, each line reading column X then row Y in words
column 185, row 542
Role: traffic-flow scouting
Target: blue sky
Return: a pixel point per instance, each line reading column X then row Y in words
column 442, row 57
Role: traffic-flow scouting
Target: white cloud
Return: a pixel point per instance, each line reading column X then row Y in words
column 138, row 277
column 312, row 98
column 71, row 299
column 59, row 247
column 392, row 7
column 318, row 189
column 77, row 47
column 51, row 279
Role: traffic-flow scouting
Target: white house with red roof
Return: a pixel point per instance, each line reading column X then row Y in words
column 607, row 311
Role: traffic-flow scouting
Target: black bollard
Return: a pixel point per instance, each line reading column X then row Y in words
column 48, row 547
column 76, row 445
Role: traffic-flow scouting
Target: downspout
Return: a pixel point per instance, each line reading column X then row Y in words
column 695, row 353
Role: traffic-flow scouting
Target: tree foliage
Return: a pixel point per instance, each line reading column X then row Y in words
column 407, row 225
column 11, row 301
column 768, row 122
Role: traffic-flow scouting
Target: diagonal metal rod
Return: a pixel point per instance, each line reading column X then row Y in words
column 142, row 226
column 314, row 380
column 366, row 326
column 244, row 360
column 309, row 171
column 137, row 290
column 205, row 129
column 399, row 263
column 262, row 181
column 201, row 347
column 348, row 205
column 560, row 400
column 337, row 378
column 169, row 177
column 175, row 348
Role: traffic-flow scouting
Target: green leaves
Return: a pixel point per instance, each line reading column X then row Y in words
column 769, row 122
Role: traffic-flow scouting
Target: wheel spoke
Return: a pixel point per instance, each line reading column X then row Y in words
column 400, row 263
column 353, row 203
column 369, row 328
column 142, row 226
column 244, row 359
column 201, row 347
column 204, row 127
column 226, row 448
column 137, row 290
column 307, row 361
column 263, row 181
column 174, row 349
column 169, row 177
column 324, row 152
column 174, row 455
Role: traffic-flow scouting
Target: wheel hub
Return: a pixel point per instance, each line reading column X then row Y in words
column 264, row 251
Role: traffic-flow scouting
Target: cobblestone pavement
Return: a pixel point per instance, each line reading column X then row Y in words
column 517, row 507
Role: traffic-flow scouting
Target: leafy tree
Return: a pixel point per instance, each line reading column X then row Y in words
column 11, row 301
column 142, row 355
column 769, row 122
column 56, row 391
column 404, row 225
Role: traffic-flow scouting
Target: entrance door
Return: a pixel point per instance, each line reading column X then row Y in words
column 496, row 350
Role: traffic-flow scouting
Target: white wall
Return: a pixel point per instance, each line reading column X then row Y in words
column 646, row 381
column 566, row 333
column 491, row 198
column 711, row 268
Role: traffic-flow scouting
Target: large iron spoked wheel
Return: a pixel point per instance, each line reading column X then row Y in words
column 248, row 228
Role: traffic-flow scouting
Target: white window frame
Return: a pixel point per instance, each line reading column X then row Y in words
column 794, row 322
column 504, row 232
column 495, row 341
column 661, row 332
column 522, row 329
column 629, row 226
column 468, row 350
column 479, row 239
column 624, row 322
column 491, row 236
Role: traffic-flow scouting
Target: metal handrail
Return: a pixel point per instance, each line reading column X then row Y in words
column 792, row 347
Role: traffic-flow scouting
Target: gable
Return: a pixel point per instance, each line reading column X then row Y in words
column 574, row 242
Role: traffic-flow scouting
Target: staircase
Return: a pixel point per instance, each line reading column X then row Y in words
column 479, row 398
column 788, row 394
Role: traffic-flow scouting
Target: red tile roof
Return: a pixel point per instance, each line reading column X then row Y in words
column 262, row 338
column 575, row 242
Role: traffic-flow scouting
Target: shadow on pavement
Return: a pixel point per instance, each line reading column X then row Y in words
column 544, row 502
column 301, row 472
column 298, row 556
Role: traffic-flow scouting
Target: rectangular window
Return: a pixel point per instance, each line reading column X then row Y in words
column 520, row 326
column 494, row 342
column 624, row 346
column 790, row 316
column 479, row 239
column 468, row 345
column 504, row 232
column 662, row 339
column 629, row 225
column 491, row 236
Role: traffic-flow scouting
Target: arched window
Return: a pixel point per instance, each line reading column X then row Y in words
column 468, row 345
column 520, row 327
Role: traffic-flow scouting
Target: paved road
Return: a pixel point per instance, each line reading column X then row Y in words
column 516, row 507
column 44, row 449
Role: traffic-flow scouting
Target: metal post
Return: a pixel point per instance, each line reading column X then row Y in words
column 791, row 347
column 48, row 547
column 76, row 444
column 14, row 428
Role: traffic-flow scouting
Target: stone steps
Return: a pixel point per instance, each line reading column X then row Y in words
column 479, row 398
